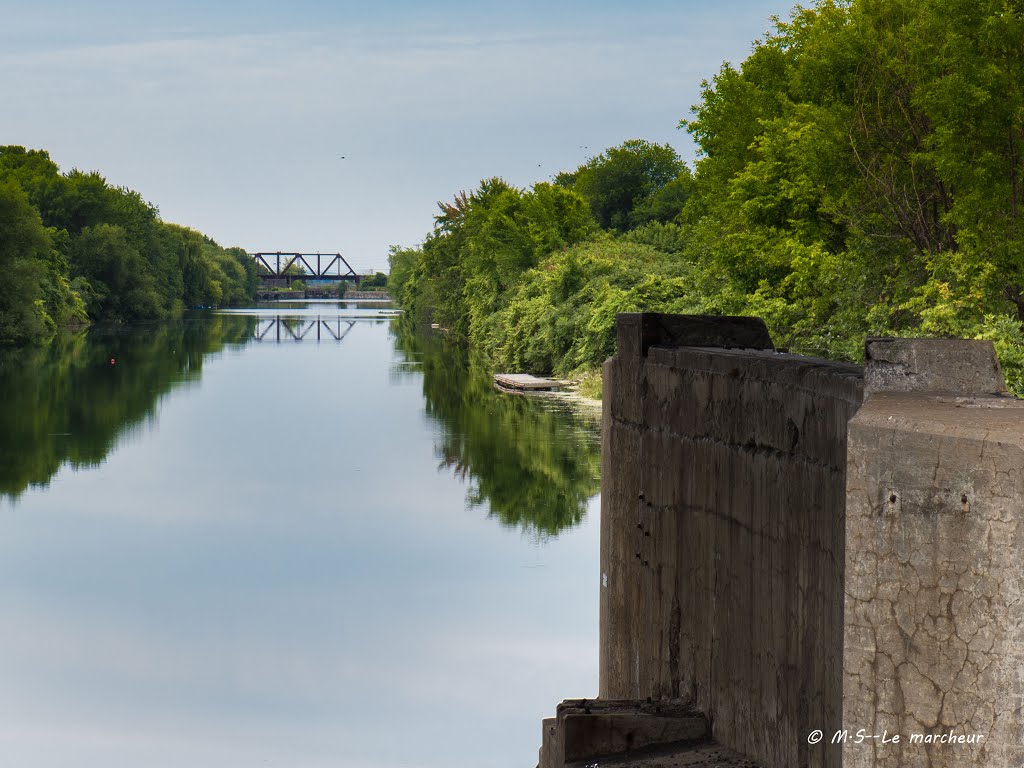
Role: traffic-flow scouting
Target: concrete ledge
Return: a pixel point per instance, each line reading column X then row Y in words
column 587, row 729
column 706, row 755
column 639, row 331
column 932, row 365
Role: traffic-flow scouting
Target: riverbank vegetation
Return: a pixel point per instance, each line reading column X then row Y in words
column 75, row 249
column 860, row 173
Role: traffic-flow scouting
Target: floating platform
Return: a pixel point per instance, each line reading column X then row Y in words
column 524, row 382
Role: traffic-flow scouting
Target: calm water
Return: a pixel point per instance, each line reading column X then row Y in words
column 220, row 549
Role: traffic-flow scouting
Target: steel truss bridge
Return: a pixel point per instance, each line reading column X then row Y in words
column 283, row 329
column 304, row 266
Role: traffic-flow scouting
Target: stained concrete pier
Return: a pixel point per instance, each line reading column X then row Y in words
column 798, row 550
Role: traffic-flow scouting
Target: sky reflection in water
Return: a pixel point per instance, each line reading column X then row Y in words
column 271, row 565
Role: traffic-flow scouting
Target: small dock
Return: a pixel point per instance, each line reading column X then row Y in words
column 524, row 382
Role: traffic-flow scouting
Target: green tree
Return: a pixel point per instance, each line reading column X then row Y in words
column 626, row 185
column 375, row 281
column 163, row 267
column 401, row 264
column 861, row 172
column 24, row 249
column 122, row 283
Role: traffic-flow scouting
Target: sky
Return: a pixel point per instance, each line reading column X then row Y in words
column 338, row 126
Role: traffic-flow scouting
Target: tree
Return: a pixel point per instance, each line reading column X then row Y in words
column 24, row 246
column 121, row 280
column 401, row 264
column 621, row 183
column 861, row 171
column 377, row 280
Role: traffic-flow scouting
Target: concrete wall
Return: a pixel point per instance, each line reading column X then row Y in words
column 724, row 484
column 934, row 641
column 790, row 560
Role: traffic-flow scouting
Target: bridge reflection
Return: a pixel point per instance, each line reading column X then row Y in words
column 279, row 329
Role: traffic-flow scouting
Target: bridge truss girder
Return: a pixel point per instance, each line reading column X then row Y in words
column 317, row 266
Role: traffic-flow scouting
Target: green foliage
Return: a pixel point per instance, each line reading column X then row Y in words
column 562, row 317
column 123, row 289
column 665, row 237
column 377, row 281
column 24, row 248
column 633, row 184
column 401, row 267
column 104, row 254
column 591, row 384
column 481, row 246
column 861, row 173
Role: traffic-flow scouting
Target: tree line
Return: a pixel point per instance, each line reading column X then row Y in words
column 860, row 173
column 75, row 249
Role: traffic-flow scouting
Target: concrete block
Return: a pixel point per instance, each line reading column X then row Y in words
column 615, row 733
column 585, row 730
column 932, row 365
column 639, row 331
column 934, row 632
column 704, row 755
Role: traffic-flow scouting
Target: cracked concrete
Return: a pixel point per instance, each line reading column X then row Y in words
column 786, row 569
column 934, row 638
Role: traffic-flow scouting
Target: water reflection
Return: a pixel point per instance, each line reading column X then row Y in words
column 275, row 572
column 534, row 462
column 298, row 329
column 72, row 401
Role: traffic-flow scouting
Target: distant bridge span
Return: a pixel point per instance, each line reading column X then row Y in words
column 277, row 265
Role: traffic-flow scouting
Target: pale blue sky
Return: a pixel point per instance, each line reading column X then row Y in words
column 232, row 116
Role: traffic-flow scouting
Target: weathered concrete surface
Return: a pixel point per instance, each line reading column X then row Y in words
column 586, row 729
column 934, row 637
column 724, row 478
column 705, row 755
column 638, row 331
column 932, row 365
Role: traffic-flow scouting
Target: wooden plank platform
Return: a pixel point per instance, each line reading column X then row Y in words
column 526, row 382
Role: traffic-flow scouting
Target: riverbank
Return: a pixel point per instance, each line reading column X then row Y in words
column 317, row 293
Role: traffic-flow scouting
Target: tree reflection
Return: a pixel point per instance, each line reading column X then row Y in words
column 534, row 462
column 71, row 401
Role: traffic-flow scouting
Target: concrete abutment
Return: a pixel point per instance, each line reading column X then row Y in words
column 756, row 570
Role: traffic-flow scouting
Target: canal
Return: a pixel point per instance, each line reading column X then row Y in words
column 228, row 542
